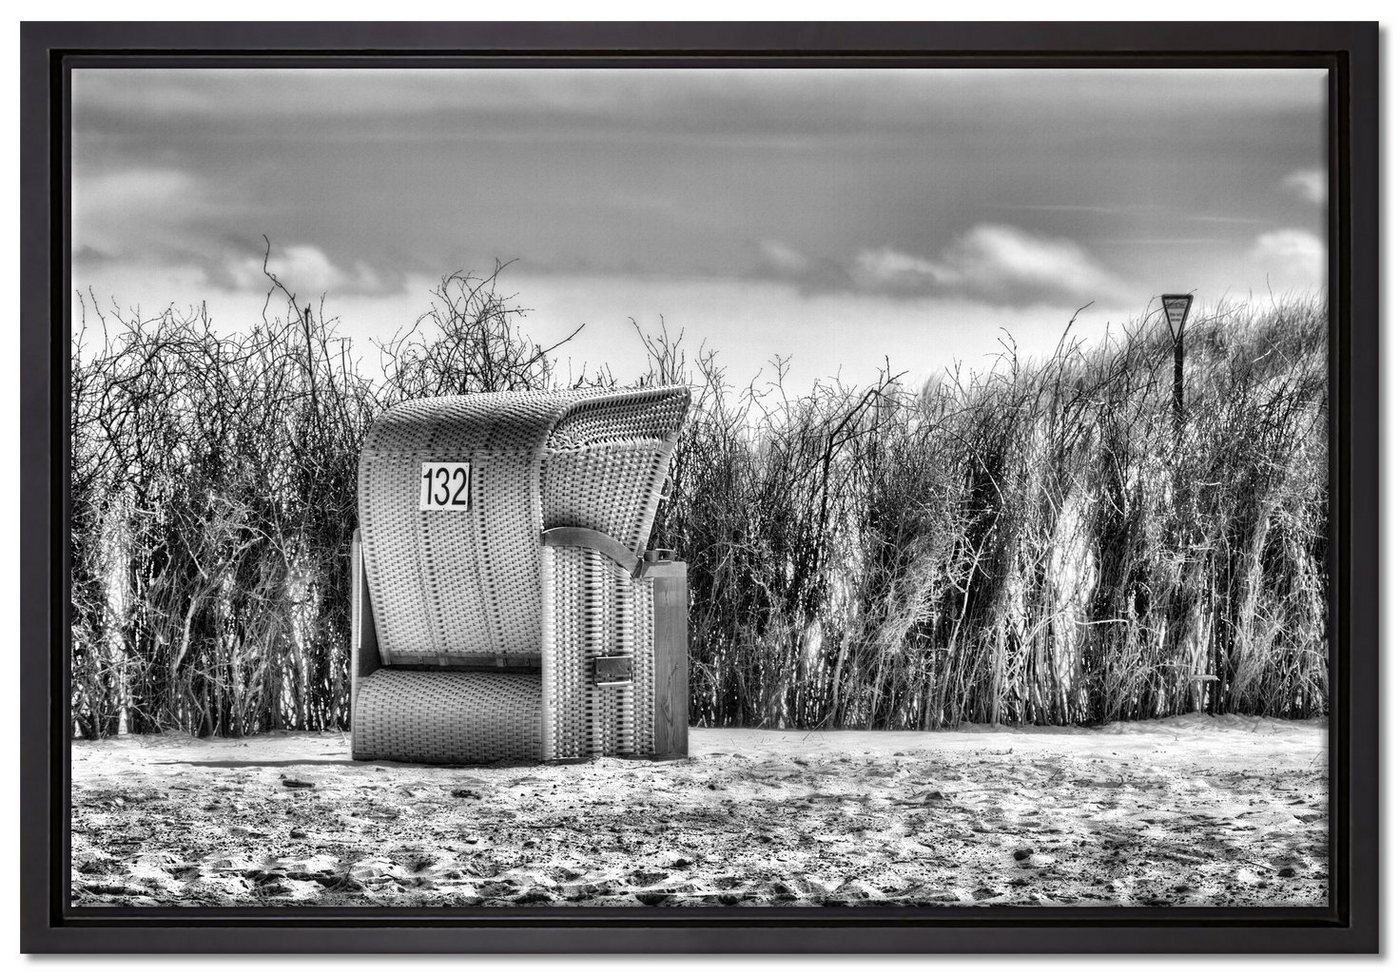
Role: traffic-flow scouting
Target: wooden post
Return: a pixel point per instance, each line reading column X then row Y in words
column 671, row 683
column 1178, row 385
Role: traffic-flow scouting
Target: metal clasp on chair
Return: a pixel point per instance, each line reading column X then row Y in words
column 612, row 671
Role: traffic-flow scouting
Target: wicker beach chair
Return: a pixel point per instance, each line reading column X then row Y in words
column 505, row 607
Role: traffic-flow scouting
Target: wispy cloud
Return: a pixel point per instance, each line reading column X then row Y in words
column 1220, row 218
column 107, row 206
column 1293, row 253
column 990, row 261
column 886, row 269
column 994, row 262
column 1133, row 211
column 1081, row 208
column 784, row 258
column 1159, row 241
column 306, row 270
column 187, row 222
column 127, row 189
column 1306, row 184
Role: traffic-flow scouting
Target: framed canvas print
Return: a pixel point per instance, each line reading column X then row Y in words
column 680, row 487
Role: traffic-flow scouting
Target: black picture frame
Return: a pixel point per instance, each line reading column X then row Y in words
column 1349, row 924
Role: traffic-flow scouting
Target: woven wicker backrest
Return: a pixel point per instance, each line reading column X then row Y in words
column 451, row 587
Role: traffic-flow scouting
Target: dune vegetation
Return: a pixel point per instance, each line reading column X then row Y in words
column 1042, row 542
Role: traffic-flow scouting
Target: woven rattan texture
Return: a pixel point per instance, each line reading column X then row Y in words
column 447, row 717
column 613, row 489
column 593, row 608
column 445, row 584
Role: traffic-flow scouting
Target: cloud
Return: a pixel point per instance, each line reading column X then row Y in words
column 1293, row 254
column 992, row 256
column 888, row 269
column 305, row 269
column 107, row 206
column 1306, row 184
column 784, row 259
column 164, row 217
column 990, row 261
column 758, row 102
column 131, row 189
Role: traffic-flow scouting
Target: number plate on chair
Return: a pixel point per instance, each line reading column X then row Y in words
column 445, row 486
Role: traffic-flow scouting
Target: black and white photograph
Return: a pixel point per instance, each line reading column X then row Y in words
column 743, row 487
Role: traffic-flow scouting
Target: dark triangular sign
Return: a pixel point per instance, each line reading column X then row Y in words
column 1177, row 308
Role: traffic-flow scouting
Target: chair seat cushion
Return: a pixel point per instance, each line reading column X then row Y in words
column 448, row 717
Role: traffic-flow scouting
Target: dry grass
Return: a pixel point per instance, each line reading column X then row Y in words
column 1036, row 543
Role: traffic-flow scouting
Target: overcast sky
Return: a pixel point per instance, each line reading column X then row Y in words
column 836, row 216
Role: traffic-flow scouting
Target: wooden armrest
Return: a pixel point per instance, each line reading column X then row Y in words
column 599, row 542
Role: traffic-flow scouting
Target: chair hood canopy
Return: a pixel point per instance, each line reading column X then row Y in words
column 448, row 585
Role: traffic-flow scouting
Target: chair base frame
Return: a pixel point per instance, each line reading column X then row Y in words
column 391, row 720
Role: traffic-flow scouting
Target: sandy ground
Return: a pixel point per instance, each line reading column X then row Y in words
column 1184, row 811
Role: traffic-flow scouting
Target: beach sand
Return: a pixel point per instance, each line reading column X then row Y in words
column 1194, row 810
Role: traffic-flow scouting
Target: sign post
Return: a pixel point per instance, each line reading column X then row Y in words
column 1177, row 307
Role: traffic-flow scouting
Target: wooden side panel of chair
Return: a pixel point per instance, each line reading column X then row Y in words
column 671, row 660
